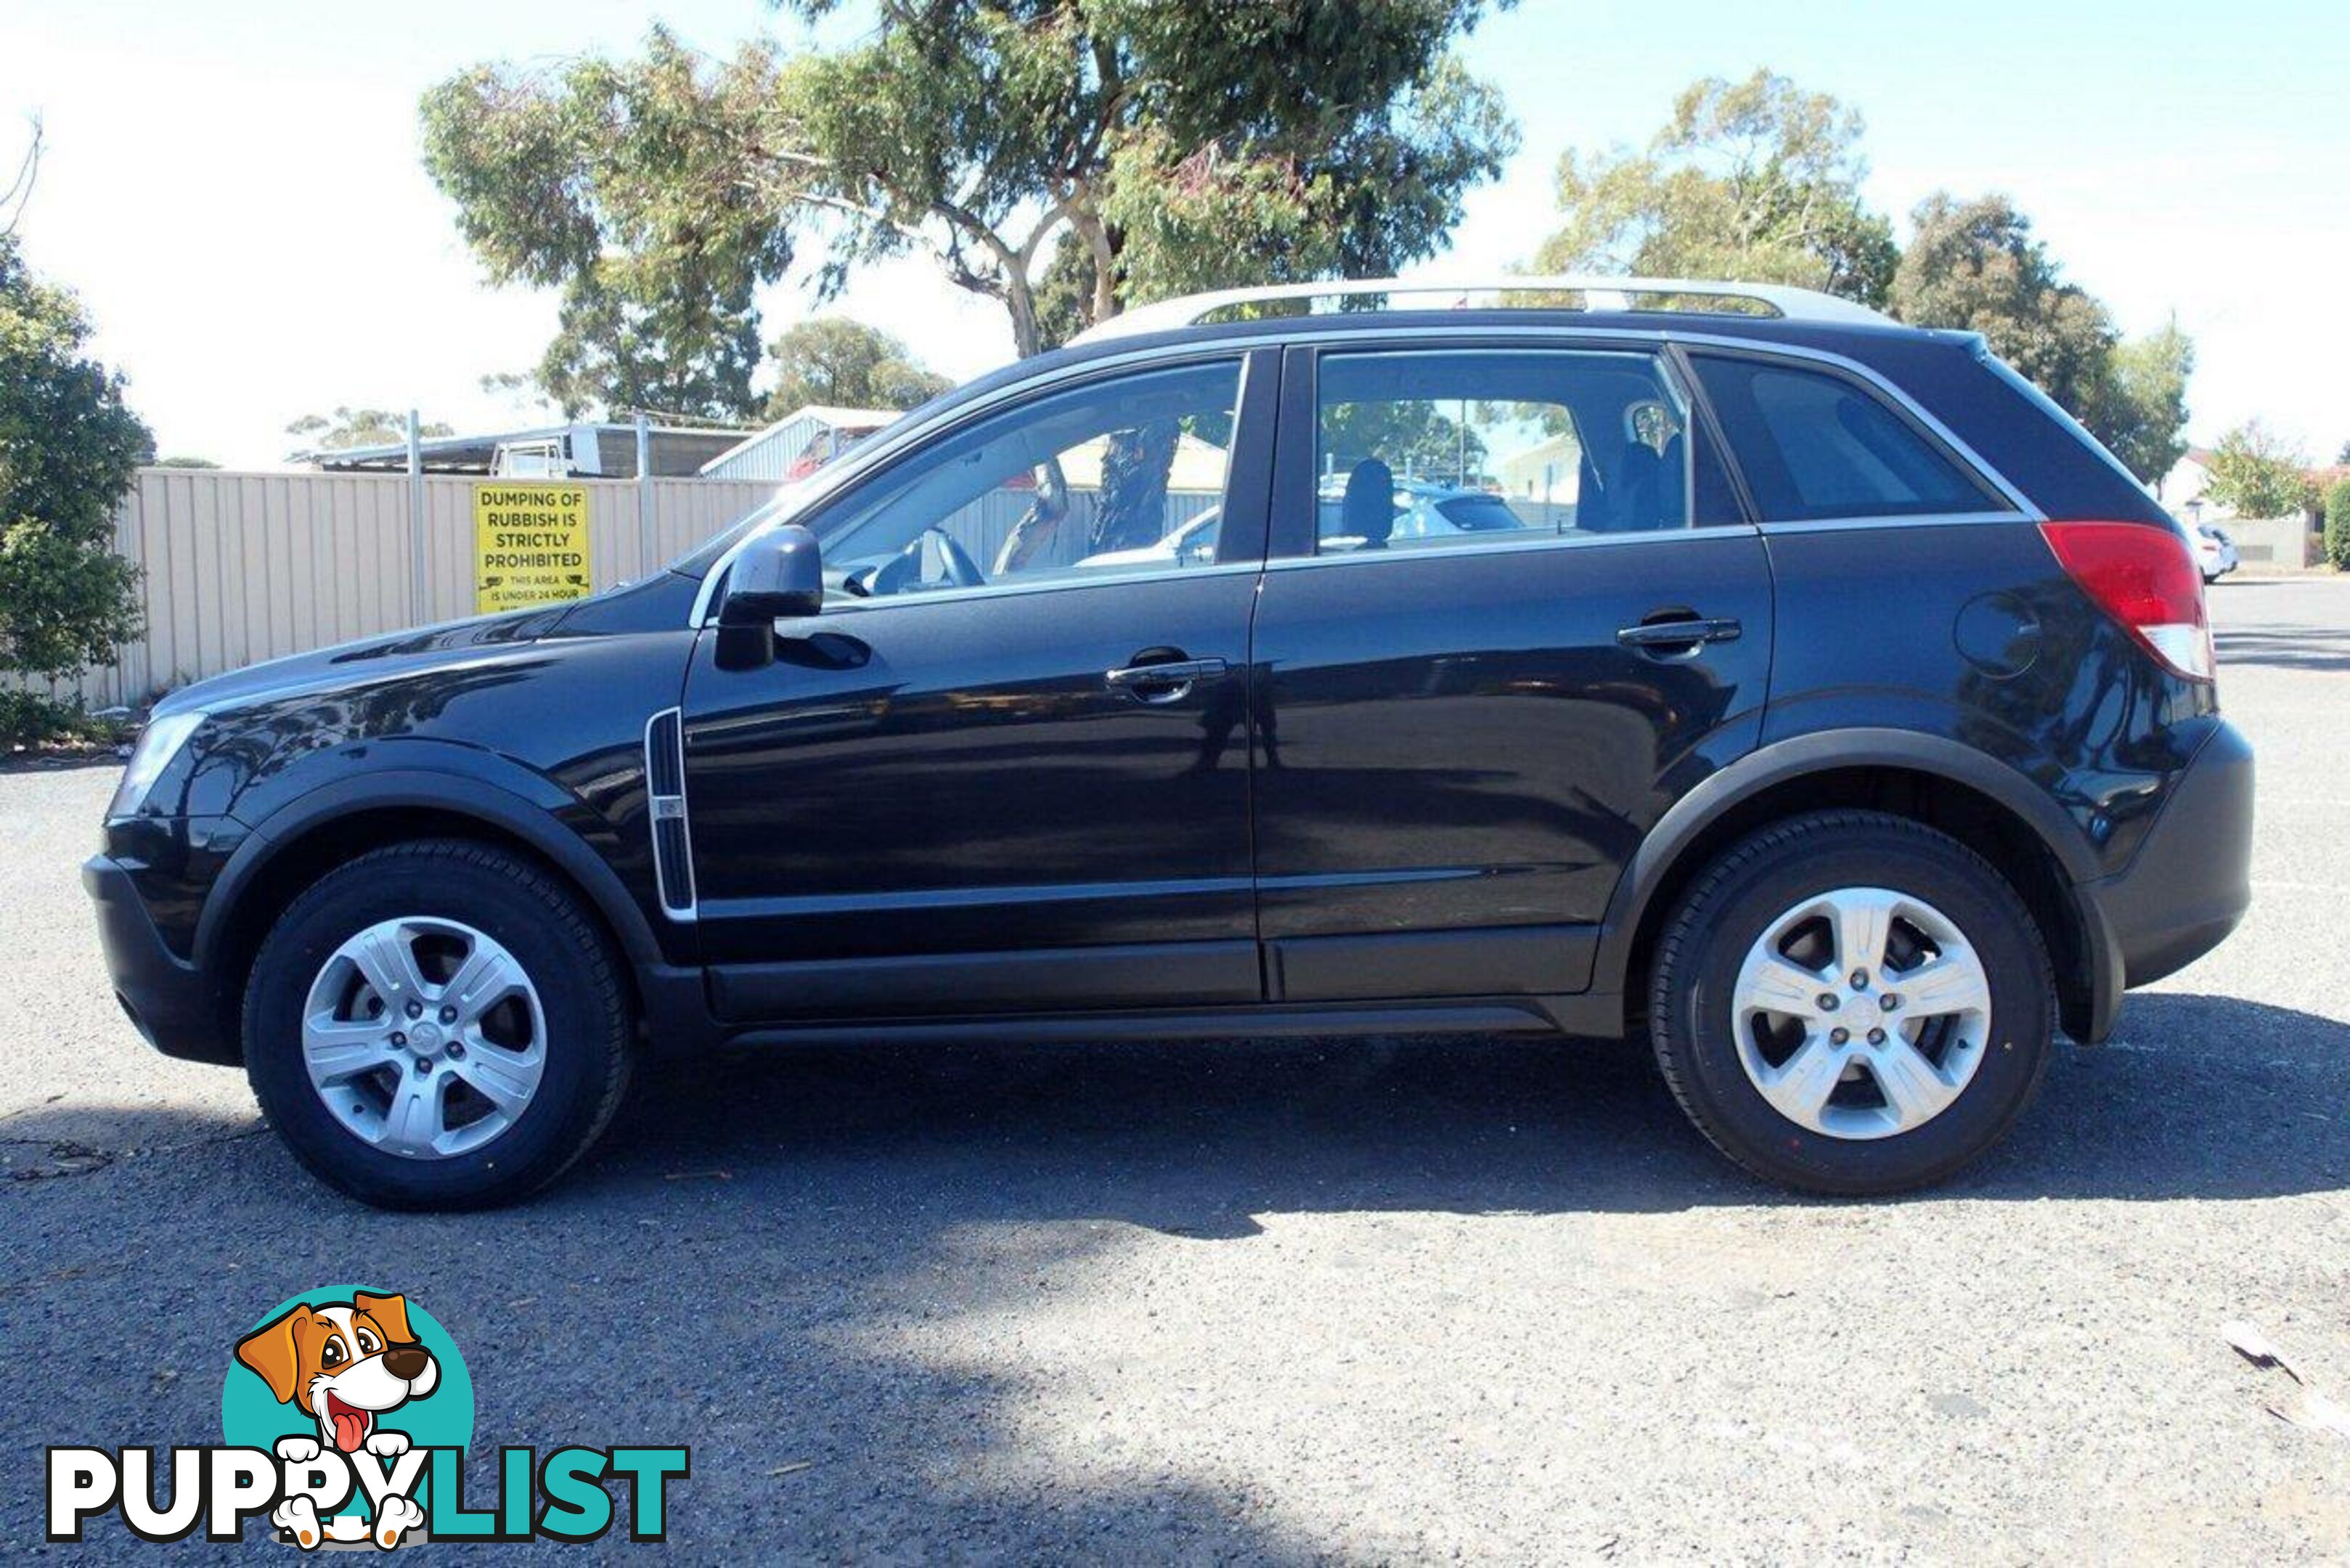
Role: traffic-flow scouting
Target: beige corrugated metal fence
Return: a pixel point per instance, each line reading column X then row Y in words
column 246, row 567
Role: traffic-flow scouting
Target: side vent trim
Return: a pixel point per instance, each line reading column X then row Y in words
column 672, row 832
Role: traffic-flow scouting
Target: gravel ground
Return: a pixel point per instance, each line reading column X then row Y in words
column 1395, row 1299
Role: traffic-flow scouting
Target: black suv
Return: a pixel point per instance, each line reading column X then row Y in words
column 1721, row 663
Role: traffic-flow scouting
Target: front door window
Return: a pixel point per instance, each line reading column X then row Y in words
column 1113, row 477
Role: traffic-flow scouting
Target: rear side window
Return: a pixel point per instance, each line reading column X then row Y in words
column 1816, row 446
column 1458, row 448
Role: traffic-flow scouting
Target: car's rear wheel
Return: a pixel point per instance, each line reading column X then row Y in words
column 1851, row 1003
column 437, row 1024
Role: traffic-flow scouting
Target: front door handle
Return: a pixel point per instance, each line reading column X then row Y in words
column 1163, row 681
column 1684, row 634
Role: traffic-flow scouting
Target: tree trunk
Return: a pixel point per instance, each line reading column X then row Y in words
column 1040, row 525
column 1133, row 510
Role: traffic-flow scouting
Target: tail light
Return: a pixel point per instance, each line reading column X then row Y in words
column 2147, row 578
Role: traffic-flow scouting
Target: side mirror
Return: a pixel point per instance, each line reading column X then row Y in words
column 779, row 574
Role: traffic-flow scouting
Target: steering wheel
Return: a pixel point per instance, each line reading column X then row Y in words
column 961, row 570
column 902, row 573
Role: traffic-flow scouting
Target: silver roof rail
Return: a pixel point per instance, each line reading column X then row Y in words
column 1598, row 292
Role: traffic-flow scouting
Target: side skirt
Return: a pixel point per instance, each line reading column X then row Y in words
column 1452, row 1015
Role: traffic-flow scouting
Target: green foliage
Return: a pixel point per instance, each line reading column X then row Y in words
column 1756, row 181
column 1303, row 203
column 832, row 359
column 1413, row 438
column 644, row 191
column 69, row 445
column 1063, row 159
column 30, row 719
column 183, row 460
column 2256, row 473
column 346, row 428
column 2337, row 524
column 2143, row 420
column 1974, row 266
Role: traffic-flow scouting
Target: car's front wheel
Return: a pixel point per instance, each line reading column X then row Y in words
column 1851, row 1003
column 437, row 1024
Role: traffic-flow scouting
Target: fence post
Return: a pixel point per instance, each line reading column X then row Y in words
column 418, row 585
column 644, row 495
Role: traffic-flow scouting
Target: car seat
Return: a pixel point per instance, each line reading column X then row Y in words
column 1368, row 512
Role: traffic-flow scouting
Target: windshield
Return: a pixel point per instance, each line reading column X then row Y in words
column 1479, row 514
column 786, row 500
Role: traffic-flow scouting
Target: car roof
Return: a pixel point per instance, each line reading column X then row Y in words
column 1846, row 338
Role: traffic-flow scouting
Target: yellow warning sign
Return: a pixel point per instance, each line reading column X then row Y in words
column 530, row 545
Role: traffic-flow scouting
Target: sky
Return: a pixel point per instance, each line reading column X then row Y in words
column 235, row 189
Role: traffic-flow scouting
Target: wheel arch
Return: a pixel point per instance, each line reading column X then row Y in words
column 331, row 824
column 1993, row 808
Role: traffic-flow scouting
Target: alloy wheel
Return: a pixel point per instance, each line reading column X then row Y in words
column 1861, row 1013
column 423, row 1037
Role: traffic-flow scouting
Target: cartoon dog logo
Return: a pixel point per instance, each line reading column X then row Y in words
column 344, row 1364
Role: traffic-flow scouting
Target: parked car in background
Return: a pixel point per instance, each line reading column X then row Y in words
column 1192, row 545
column 2215, row 551
column 1850, row 730
column 1424, row 509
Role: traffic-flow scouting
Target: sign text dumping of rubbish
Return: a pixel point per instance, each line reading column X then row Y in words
column 530, row 545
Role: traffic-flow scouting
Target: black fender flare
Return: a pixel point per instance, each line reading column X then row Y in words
column 524, row 805
column 1823, row 752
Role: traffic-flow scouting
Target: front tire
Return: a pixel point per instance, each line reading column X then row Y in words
column 437, row 1024
column 1853, row 1004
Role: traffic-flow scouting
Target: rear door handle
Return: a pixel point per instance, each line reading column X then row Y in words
column 1167, row 681
column 1688, row 634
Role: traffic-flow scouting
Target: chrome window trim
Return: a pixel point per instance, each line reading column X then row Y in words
column 1537, row 541
column 857, row 464
column 1901, row 519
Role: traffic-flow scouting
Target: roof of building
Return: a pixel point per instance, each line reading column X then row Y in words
column 677, row 450
column 833, row 414
column 769, row 453
column 1197, row 467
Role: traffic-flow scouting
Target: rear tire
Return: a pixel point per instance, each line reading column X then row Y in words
column 437, row 1024
column 1805, row 1077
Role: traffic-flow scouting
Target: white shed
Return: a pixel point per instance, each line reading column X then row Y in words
column 799, row 443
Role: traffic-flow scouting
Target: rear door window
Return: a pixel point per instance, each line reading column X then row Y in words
column 1816, row 446
column 1452, row 448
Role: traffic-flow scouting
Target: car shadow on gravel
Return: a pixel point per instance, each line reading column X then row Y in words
column 2200, row 1096
column 2197, row 1098
column 839, row 1273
